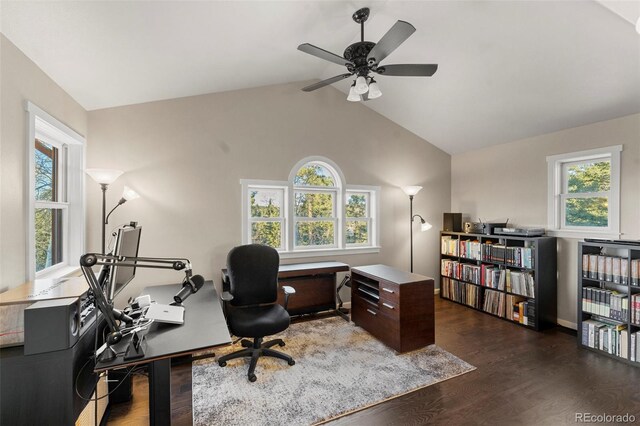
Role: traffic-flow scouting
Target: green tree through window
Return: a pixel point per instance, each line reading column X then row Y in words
column 592, row 181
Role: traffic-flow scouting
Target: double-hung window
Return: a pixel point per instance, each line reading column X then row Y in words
column 56, row 200
column 316, row 190
column 313, row 213
column 584, row 192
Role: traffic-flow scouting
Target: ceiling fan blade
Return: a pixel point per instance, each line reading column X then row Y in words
column 325, row 82
column 408, row 70
column 389, row 42
column 323, row 54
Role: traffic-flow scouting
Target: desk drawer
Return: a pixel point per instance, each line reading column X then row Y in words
column 383, row 327
column 390, row 292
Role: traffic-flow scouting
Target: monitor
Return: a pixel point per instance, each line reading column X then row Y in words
column 127, row 244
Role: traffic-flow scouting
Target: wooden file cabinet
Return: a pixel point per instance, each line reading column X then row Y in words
column 395, row 306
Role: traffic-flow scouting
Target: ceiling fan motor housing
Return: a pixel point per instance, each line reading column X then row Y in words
column 357, row 53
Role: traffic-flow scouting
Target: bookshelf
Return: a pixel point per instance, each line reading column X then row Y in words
column 609, row 299
column 509, row 277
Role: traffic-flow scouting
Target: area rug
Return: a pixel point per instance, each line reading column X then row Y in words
column 340, row 369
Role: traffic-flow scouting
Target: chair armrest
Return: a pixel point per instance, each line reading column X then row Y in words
column 226, row 296
column 288, row 291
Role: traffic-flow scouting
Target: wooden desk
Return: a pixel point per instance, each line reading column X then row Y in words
column 315, row 285
column 204, row 328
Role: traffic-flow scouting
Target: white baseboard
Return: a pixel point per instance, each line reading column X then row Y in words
column 346, row 305
column 436, row 291
column 568, row 324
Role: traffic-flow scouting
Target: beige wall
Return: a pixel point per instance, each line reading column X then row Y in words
column 510, row 181
column 186, row 158
column 21, row 80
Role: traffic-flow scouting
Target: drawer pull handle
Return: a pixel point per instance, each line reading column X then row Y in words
column 371, row 312
column 387, row 305
column 388, row 290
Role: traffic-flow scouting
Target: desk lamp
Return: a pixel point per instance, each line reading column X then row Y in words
column 411, row 191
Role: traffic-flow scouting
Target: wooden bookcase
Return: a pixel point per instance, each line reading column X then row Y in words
column 593, row 283
column 393, row 305
column 467, row 257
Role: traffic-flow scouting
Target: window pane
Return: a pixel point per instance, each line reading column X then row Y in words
column 592, row 211
column 48, row 237
column 314, row 175
column 268, row 233
column 313, row 204
column 46, row 164
column 357, row 205
column 589, row 177
column 266, row 203
column 314, row 233
column 357, row 232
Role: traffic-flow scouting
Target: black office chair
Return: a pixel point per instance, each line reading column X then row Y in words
column 250, row 303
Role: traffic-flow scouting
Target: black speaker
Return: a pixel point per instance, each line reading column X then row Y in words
column 51, row 325
column 452, row 222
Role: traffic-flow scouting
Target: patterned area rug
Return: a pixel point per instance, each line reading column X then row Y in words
column 340, row 368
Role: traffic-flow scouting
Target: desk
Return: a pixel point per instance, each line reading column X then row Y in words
column 315, row 285
column 204, row 327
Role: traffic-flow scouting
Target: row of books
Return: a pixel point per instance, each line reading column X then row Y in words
column 520, row 283
column 460, row 292
column 635, row 309
column 605, row 303
column 610, row 268
column 521, row 310
column 500, row 253
column 494, row 303
column 611, row 338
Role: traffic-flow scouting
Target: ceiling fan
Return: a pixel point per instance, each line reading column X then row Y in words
column 363, row 58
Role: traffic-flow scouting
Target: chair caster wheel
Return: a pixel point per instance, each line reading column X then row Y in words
column 252, row 378
column 222, row 363
column 292, row 362
column 281, row 344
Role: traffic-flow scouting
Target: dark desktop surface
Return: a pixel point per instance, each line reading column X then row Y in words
column 204, row 327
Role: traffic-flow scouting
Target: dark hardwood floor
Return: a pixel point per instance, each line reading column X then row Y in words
column 523, row 377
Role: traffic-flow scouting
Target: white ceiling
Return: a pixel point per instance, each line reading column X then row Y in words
column 507, row 70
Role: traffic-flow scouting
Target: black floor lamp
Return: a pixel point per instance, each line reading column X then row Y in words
column 424, row 225
column 106, row 177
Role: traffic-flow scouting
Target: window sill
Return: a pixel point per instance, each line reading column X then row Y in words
column 328, row 252
column 564, row 233
column 62, row 272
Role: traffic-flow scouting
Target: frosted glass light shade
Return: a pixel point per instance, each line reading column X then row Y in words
column 129, row 194
column 361, row 86
column 104, row 176
column 425, row 226
column 411, row 190
column 353, row 96
column 374, row 90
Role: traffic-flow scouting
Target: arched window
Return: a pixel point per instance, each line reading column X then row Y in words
column 316, row 206
column 314, row 213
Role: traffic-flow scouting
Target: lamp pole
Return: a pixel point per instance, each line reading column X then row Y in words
column 411, row 228
column 104, row 213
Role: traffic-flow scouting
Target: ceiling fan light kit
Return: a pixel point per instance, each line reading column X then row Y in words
column 364, row 57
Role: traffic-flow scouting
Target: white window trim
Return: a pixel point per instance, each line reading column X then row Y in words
column 54, row 132
column 341, row 190
column 555, row 190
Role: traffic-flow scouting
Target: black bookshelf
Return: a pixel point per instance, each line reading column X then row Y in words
column 593, row 283
column 540, row 263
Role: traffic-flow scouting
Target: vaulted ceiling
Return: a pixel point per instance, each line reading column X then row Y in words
column 507, row 70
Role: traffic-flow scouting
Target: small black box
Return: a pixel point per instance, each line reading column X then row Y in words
column 51, row 325
column 452, row 222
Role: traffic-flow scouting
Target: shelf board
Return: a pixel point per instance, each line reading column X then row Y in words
column 596, row 280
